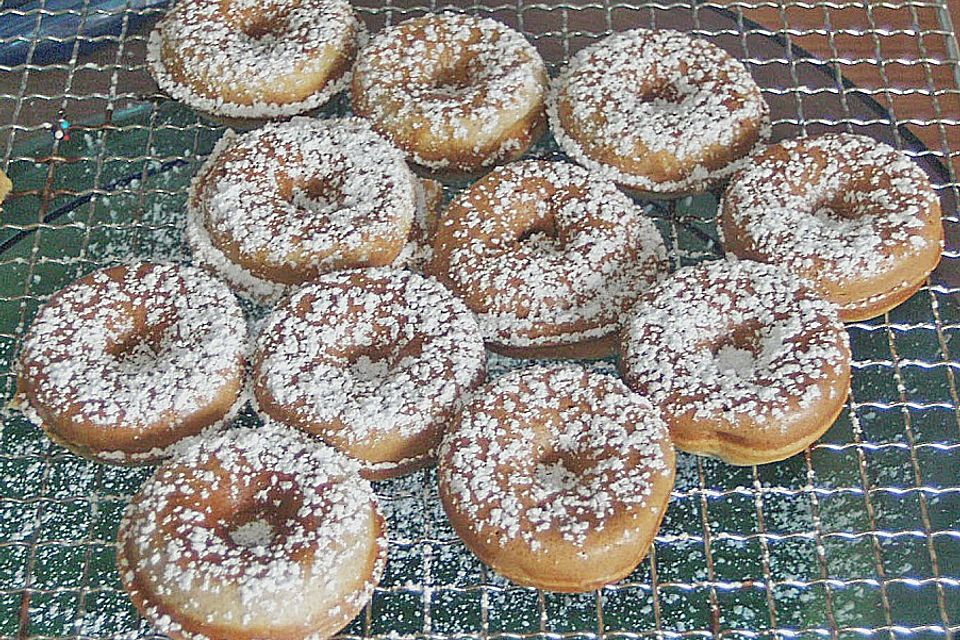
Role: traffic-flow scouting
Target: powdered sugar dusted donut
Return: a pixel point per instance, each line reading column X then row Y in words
column 124, row 363
column 455, row 92
column 254, row 58
column 746, row 363
column 375, row 362
column 557, row 477
column 658, row 112
column 548, row 257
column 285, row 203
column 253, row 533
column 852, row 215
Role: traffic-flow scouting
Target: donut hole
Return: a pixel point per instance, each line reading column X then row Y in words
column 737, row 351
column 731, row 358
column 318, row 197
column 450, row 82
column 140, row 347
column 663, row 90
column 542, row 235
column 257, row 20
column 665, row 96
column 552, row 460
column 847, row 209
column 555, row 477
column 451, row 78
column 263, row 517
column 370, row 365
column 255, row 532
column 750, row 347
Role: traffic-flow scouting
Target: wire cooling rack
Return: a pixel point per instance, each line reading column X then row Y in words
column 857, row 537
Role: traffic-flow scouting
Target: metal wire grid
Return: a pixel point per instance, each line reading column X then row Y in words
column 862, row 529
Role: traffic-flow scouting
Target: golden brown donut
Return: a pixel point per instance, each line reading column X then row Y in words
column 252, row 59
column 853, row 216
column 549, row 257
column 256, row 533
column 557, row 477
column 126, row 362
column 658, row 112
column 456, row 93
column 6, row 186
column 747, row 363
column 375, row 362
column 283, row 204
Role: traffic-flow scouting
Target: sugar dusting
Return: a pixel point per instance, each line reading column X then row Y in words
column 360, row 355
column 507, row 462
column 531, row 287
column 793, row 343
column 91, row 355
column 213, row 53
column 708, row 101
column 402, row 83
column 838, row 207
column 177, row 545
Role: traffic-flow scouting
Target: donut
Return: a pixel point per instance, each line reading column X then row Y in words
column 549, row 257
column 5, row 186
column 256, row 533
column 246, row 59
column 124, row 363
column 557, row 477
column 747, row 363
column 281, row 205
column 456, row 93
column 853, row 216
column 375, row 362
column 658, row 112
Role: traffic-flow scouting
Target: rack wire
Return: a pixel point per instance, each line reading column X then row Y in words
column 857, row 537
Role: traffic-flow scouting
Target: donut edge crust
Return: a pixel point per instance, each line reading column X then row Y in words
column 878, row 305
column 743, row 452
column 120, row 457
column 862, row 308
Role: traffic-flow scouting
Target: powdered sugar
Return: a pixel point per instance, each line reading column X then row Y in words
column 260, row 528
column 552, row 449
column 545, row 253
column 734, row 339
column 254, row 59
column 292, row 200
column 137, row 350
column 361, row 356
column 836, row 207
column 641, row 96
column 451, row 80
